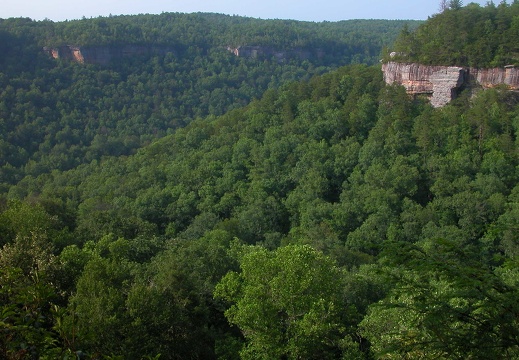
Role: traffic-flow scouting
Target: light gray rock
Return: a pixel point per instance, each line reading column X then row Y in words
column 443, row 83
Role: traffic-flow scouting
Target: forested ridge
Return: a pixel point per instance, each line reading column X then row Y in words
column 474, row 35
column 57, row 114
column 330, row 218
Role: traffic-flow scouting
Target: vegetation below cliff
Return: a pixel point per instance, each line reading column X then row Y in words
column 394, row 212
column 330, row 218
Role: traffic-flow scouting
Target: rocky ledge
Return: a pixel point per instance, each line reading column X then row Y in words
column 102, row 55
column 443, row 83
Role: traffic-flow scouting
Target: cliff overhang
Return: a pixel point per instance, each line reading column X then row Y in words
column 444, row 83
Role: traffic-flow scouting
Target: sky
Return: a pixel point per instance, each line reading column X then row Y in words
column 305, row 10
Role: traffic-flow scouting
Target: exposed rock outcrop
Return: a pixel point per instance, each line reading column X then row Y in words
column 440, row 83
column 279, row 55
column 102, row 55
column 488, row 78
column 443, row 83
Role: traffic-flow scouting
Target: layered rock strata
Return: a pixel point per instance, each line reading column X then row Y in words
column 488, row 78
column 443, row 83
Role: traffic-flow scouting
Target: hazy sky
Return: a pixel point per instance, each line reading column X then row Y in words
column 315, row 10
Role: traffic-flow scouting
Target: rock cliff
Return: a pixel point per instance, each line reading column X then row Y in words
column 102, row 55
column 443, row 83
column 279, row 55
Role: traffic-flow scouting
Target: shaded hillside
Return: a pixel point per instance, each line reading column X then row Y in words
column 343, row 42
column 331, row 218
column 406, row 212
column 57, row 114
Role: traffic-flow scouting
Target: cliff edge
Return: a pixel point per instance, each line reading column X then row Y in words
column 444, row 83
column 102, row 55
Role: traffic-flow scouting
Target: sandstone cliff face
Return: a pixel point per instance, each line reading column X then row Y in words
column 440, row 83
column 443, row 83
column 102, row 55
column 488, row 78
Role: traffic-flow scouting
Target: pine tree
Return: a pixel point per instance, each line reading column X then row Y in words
column 455, row 4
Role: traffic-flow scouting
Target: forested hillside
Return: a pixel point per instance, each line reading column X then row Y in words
column 330, row 218
column 57, row 114
column 473, row 35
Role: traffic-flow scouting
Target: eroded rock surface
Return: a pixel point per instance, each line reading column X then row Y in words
column 443, row 83
column 440, row 83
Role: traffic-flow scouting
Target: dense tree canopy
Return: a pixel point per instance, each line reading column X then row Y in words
column 56, row 114
column 334, row 217
column 287, row 303
column 407, row 210
column 465, row 36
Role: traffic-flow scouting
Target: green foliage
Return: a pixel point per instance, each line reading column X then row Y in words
column 286, row 207
column 30, row 283
column 464, row 36
column 286, row 303
column 21, row 219
column 171, row 303
column 57, row 114
column 101, row 291
column 25, row 314
column 445, row 303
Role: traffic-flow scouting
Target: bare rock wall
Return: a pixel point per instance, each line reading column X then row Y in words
column 443, row 83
